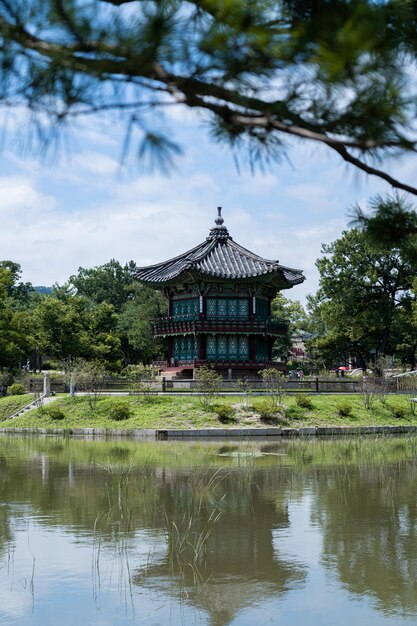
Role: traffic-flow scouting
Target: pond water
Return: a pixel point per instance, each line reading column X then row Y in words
column 319, row 532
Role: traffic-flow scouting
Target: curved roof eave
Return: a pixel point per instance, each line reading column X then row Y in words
column 221, row 258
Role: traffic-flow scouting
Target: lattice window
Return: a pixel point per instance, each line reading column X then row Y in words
column 183, row 309
column 243, row 309
column 233, row 347
column 243, row 348
column 227, row 308
column 211, row 307
column 232, row 308
column 176, row 347
column 227, row 348
column 222, row 347
column 211, row 347
column 190, row 346
column 222, row 308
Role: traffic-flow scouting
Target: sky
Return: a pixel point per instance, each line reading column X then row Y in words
column 80, row 207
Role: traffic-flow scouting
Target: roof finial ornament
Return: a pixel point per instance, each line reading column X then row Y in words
column 219, row 231
column 219, row 220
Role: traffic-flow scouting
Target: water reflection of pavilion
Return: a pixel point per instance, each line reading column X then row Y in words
column 240, row 567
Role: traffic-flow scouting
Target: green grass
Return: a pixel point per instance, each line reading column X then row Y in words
column 10, row 404
column 187, row 412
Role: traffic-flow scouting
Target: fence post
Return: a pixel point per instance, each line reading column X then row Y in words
column 164, row 384
column 317, row 384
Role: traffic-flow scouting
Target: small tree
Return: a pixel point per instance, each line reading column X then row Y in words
column 274, row 382
column 85, row 376
column 369, row 392
column 247, row 391
column 208, row 383
column 381, row 381
column 144, row 377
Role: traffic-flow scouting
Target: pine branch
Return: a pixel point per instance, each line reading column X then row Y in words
column 239, row 112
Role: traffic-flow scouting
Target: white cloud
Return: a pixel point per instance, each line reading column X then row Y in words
column 148, row 219
column 18, row 196
column 83, row 209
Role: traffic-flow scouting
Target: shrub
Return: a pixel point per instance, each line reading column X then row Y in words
column 17, row 389
column 54, row 412
column 399, row 412
column 304, row 402
column 225, row 412
column 344, row 408
column 120, row 411
column 267, row 410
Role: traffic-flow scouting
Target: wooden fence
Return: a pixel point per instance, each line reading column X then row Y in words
column 307, row 385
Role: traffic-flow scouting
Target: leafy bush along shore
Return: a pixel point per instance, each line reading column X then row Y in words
column 187, row 412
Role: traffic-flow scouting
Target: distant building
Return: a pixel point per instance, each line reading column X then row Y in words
column 219, row 305
column 298, row 350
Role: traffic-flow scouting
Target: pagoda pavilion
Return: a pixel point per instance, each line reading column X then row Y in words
column 219, row 305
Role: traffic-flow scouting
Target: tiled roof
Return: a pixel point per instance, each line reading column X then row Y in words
column 219, row 257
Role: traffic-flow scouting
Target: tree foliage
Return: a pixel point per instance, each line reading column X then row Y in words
column 100, row 314
column 390, row 221
column 297, row 319
column 335, row 73
column 111, row 283
column 134, row 323
column 16, row 338
column 365, row 300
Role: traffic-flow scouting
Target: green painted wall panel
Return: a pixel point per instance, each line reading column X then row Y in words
column 183, row 309
column 227, row 308
column 185, row 348
column 227, row 348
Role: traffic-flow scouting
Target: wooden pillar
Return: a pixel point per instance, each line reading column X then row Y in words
column 202, row 347
column 170, row 350
column 252, row 347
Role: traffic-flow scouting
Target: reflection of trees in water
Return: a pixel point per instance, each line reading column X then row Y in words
column 368, row 516
column 216, row 523
column 225, row 516
column 6, row 534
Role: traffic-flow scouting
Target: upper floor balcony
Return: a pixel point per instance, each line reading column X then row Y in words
column 193, row 324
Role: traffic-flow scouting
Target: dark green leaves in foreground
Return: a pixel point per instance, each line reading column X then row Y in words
column 334, row 72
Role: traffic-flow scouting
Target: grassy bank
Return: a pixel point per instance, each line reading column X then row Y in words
column 11, row 404
column 187, row 412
